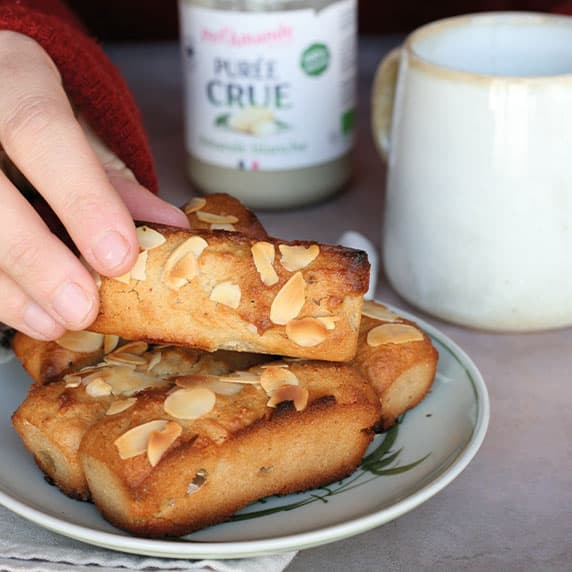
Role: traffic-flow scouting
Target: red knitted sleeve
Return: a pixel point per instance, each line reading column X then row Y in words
column 92, row 83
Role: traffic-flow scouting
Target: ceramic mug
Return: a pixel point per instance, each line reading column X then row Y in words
column 473, row 115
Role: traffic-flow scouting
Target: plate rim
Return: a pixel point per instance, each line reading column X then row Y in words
column 196, row 549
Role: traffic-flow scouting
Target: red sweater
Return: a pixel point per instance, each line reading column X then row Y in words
column 91, row 81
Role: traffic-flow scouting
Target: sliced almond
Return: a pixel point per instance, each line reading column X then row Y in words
column 393, row 334
column 109, row 343
column 154, row 359
column 216, row 218
column 183, row 265
column 190, row 403
column 124, row 278
column 224, row 387
column 124, row 380
column 226, row 293
column 274, row 377
column 125, row 358
column 134, row 442
column 81, row 342
column 138, row 348
column 306, row 332
column 121, row 405
column 245, row 377
column 139, row 270
column 378, row 312
column 149, row 238
column 223, row 226
column 328, row 321
column 161, row 440
column 263, row 256
column 289, row 301
column 98, row 388
column 72, row 380
column 295, row 393
column 297, row 257
column 195, row 204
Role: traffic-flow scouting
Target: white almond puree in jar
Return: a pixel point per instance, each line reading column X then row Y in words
column 269, row 97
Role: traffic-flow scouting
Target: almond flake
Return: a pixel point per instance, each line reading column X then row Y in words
column 98, row 388
column 161, row 440
column 223, row 226
column 226, row 293
column 216, row 218
column 298, row 395
column 155, row 358
column 72, row 380
column 378, row 312
column 190, row 403
column 183, row 264
column 81, row 342
column 121, row 405
column 306, row 332
column 224, row 387
column 274, row 377
column 138, row 348
column 393, row 334
column 109, row 343
column 245, row 377
column 328, row 321
column 134, row 442
column 195, row 204
column 289, row 301
column 297, row 257
column 124, row 278
column 125, row 358
column 149, row 238
column 138, row 272
column 263, row 256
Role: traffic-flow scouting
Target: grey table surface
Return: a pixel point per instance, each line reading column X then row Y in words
column 511, row 509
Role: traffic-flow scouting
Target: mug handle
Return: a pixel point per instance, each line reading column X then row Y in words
column 382, row 101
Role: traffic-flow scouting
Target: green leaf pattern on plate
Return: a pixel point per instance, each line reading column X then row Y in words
column 374, row 465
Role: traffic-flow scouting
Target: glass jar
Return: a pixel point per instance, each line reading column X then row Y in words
column 269, row 97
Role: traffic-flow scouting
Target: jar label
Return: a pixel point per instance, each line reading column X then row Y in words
column 269, row 90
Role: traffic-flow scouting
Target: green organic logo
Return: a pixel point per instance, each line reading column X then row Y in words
column 315, row 59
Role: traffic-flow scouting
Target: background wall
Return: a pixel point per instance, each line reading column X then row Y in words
column 128, row 20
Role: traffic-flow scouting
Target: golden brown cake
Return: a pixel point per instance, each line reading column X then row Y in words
column 178, row 461
column 220, row 211
column 49, row 361
column 54, row 418
column 221, row 290
column 398, row 359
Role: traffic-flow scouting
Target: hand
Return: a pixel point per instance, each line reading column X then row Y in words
column 45, row 289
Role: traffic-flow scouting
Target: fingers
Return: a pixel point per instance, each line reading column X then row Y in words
column 44, row 286
column 41, row 135
column 142, row 204
column 22, row 313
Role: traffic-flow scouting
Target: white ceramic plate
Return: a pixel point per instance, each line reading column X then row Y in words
column 433, row 444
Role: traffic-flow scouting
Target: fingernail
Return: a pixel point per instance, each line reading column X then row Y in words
column 111, row 250
column 72, row 304
column 39, row 321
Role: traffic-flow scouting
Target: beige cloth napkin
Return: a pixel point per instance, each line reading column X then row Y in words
column 27, row 547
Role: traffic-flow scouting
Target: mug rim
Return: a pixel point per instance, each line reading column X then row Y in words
column 437, row 26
